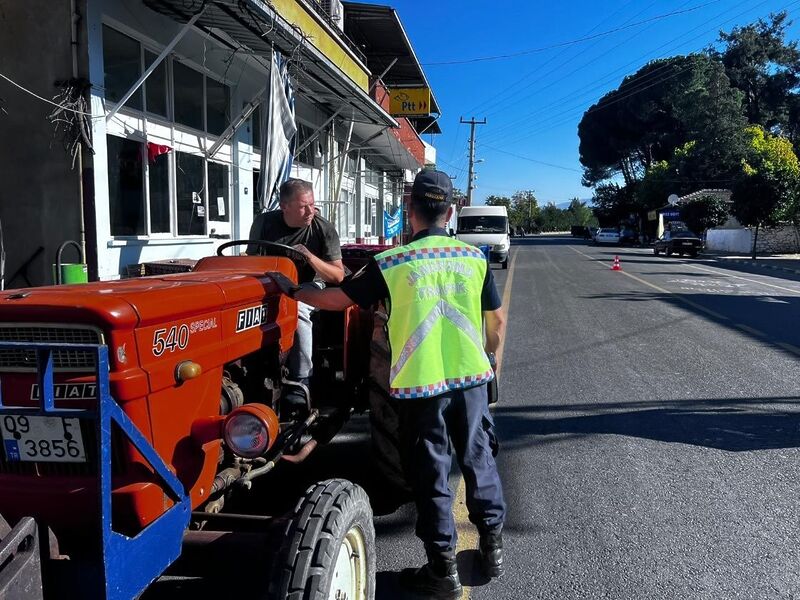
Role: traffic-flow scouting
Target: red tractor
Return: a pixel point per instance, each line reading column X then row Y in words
column 135, row 413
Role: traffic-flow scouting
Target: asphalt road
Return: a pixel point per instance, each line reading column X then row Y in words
column 649, row 422
column 649, row 425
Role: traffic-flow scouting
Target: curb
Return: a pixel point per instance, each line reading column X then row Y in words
column 755, row 264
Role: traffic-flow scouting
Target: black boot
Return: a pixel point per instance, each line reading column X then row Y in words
column 436, row 579
column 491, row 548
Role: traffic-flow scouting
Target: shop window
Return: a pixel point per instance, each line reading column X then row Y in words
column 126, row 186
column 307, row 155
column 122, row 65
column 190, row 191
column 372, row 217
column 188, row 92
column 156, row 85
column 158, row 185
column 218, row 192
column 217, row 106
column 373, row 176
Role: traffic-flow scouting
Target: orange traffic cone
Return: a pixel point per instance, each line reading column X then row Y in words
column 616, row 266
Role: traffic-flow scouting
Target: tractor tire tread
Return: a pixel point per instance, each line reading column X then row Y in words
column 311, row 540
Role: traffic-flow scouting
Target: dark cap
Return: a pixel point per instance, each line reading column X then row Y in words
column 430, row 184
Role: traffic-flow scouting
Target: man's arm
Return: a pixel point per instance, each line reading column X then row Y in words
column 330, row 271
column 495, row 328
column 327, row 299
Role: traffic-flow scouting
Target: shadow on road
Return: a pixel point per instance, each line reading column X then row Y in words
column 726, row 307
column 734, row 425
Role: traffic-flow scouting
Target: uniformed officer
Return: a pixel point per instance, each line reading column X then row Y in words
column 440, row 295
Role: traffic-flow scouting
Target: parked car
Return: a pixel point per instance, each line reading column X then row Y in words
column 593, row 231
column 680, row 242
column 607, row 236
column 629, row 236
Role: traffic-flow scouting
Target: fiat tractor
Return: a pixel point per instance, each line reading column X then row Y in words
column 137, row 417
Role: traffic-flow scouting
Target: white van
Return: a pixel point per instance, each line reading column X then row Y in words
column 486, row 226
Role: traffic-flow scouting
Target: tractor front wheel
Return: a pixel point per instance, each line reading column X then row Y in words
column 328, row 551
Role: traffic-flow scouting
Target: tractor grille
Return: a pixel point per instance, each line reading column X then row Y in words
column 63, row 360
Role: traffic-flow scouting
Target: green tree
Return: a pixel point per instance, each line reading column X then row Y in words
column 659, row 181
column 579, row 213
column 705, row 212
column 766, row 193
column 760, row 63
column 525, row 209
column 498, row 201
column 662, row 106
column 613, row 203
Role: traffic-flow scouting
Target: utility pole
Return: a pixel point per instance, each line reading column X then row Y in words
column 470, row 185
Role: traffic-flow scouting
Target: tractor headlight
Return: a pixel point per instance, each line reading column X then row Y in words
column 250, row 430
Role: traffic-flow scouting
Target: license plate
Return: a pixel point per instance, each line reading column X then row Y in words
column 42, row 439
column 687, row 243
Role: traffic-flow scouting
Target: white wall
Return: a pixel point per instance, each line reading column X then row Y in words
column 735, row 241
column 771, row 240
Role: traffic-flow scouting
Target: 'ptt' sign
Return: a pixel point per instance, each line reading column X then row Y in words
column 406, row 102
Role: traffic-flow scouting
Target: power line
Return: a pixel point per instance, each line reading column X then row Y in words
column 604, row 79
column 512, row 88
column 56, row 104
column 515, row 91
column 533, row 160
column 563, row 76
column 571, row 42
column 539, row 129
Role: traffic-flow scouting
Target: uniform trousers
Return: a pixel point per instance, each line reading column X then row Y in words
column 432, row 429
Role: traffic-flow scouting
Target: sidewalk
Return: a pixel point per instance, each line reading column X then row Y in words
column 788, row 263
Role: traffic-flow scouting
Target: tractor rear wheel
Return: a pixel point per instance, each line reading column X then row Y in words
column 328, row 550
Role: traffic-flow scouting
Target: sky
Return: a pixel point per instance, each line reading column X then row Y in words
column 564, row 56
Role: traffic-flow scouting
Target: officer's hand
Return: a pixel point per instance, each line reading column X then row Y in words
column 286, row 285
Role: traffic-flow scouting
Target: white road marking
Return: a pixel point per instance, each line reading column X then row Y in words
column 727, row 274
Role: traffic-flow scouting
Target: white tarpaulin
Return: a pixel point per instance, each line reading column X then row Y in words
column 278, row 131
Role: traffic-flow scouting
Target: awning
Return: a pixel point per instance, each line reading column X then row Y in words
column 382, row 148
column 257, row 26
column 377, row 30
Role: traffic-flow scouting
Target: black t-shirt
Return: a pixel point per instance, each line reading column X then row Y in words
column 320, row 238
column 368, row 286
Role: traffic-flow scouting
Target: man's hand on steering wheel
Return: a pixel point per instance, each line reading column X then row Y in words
column 300, row 248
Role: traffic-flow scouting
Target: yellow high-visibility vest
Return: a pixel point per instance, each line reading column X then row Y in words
column 435, row 321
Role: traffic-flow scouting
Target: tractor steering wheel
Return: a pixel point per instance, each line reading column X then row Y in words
column 271, row 248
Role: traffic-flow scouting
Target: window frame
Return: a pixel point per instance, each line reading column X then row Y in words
column 132, row 124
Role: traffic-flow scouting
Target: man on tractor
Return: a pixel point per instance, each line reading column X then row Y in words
column 440, row 293
column 298, row 224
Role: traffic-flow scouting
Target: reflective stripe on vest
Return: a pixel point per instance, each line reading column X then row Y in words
column 435, row 320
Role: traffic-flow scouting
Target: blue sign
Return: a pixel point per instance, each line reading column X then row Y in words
column 671, row 215
column 392, row 224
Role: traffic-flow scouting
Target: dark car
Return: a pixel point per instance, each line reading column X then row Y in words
column 628, row 236
column 680, row 242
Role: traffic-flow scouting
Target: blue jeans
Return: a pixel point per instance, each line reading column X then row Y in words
column 299, row 360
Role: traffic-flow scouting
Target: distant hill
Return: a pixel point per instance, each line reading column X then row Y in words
column 563, row 205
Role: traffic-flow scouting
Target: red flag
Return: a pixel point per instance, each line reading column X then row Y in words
column 156, row 150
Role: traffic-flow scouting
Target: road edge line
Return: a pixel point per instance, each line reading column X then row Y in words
column 467, row 534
